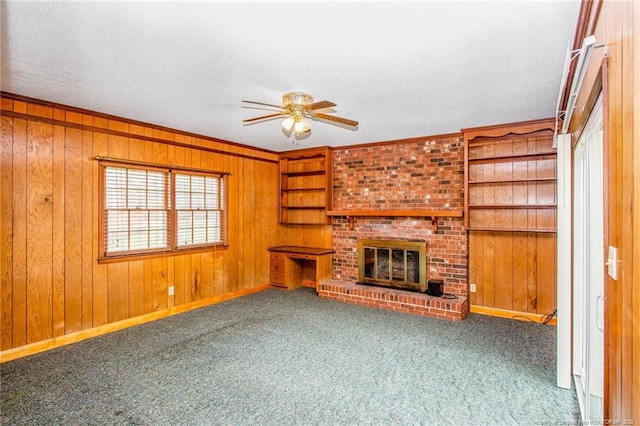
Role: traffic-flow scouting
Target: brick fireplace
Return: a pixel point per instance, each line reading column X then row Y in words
column 418, row 174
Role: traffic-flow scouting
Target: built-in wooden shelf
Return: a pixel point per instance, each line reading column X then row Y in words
column 523, row 180
column 304, row 207
column 512, row 206
column 303, row 189
column 550, row 155
column 512, row 229
column 433, row 214
column 305, row 173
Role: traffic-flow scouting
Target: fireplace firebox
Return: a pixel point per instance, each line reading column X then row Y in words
column 393, row 263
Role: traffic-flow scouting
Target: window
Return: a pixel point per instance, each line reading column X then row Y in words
column 148, row 209
column 198, row 208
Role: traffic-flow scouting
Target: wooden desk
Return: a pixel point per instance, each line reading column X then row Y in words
column 294, row 266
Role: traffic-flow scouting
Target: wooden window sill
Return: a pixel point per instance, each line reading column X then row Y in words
column 164, row 253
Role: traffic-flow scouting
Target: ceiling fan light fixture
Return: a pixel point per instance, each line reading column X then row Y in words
column 288, row 123
column 303, row 125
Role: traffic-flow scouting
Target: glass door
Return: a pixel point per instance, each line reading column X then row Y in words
column 588, row 269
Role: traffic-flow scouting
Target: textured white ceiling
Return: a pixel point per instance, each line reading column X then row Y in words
column 402, row 69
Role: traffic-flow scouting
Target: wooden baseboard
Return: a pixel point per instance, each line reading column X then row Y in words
column 45, row 345
column 505, row 313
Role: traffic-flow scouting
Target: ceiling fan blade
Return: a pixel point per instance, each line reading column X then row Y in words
column 319, row 105
column 262, row 103
column 262, row 109
column 263, row 117
column 334, row 118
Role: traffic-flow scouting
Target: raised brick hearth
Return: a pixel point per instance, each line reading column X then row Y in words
column 394, row 300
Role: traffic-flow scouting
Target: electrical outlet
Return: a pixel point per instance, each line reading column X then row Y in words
column 472, row 288
column 170, row 290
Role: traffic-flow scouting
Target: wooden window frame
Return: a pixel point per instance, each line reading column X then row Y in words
column 169, row 175
column 220, row 202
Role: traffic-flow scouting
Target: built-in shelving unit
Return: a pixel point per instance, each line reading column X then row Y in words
column 305, row 186
column 510, row 184
column 510, row 216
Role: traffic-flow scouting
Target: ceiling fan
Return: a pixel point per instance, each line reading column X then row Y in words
column 298, row 108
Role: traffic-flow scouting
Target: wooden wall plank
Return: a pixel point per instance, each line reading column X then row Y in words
column 89, row 227
column 627, row 160
column 634, row 17
column 72, row 230
column 19, row 232
column 265, row 199
column 118, row 295
column 6, row 231
column 233, row 227
column 179, row 281
column 248, row 240
column 58, row 253
column 520, row 275
column 488, row 267
column 546, row 272
column 159, row 268
column 474, row 296
column 136, row 288
column 614, row 398
column 39, row 212
column 171, row 270
column 206, row 274
column 532, row 272
column 148, row 293
column 188, row 278
column 100, row 289
column 196, row 277
column 503, row 267
column 218, row 272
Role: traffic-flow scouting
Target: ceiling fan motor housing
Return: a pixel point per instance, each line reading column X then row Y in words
column 296, row 99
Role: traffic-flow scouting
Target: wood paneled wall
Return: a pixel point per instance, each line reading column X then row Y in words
column 305, row 235
column 51, row 284
column 617, row 24
column 513, row 271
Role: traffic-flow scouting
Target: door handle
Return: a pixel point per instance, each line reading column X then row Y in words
column 600, row 298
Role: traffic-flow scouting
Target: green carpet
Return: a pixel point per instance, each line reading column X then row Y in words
column 290, row 358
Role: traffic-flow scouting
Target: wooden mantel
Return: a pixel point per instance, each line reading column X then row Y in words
column 433, row 214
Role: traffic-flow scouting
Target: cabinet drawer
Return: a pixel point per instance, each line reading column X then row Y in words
column 301, row 256
column 277, row 266
column 277, row 278
column 275, row 256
